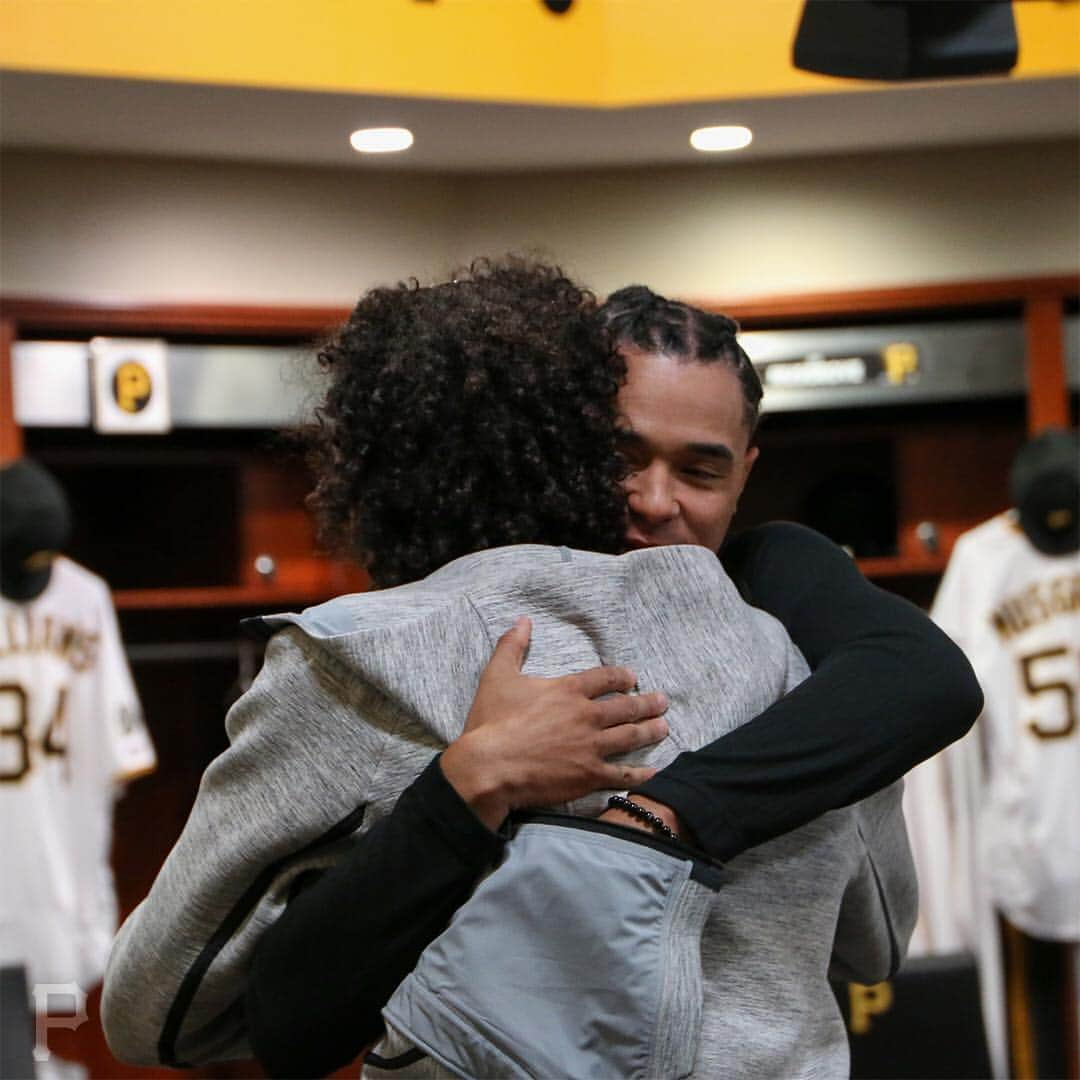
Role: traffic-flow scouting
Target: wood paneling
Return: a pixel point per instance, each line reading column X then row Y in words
column 1048, row 399
column 35, row 316
column 11, row 438
column 779, row 310
column 953, row 477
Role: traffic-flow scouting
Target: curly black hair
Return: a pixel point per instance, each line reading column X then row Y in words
column 638, row 318
column 468, row 415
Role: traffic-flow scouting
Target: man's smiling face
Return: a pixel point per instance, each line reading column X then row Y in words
column 686, row 439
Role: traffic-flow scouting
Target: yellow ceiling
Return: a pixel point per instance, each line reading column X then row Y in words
column 603, row 53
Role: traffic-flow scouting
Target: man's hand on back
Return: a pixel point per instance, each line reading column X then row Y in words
column 532, row 741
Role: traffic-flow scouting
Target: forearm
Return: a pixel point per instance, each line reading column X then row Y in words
column 323, row 972
column 889, row 689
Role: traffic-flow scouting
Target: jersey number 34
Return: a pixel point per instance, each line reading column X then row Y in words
column 16, row 739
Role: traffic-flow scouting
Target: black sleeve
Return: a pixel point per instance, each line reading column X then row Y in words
column 888, row 690
column 322, row 973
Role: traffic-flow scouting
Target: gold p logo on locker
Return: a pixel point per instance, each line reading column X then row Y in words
column 131, row 385
column 901, row 360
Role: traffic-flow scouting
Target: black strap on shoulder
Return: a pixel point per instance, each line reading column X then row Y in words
column 400, row 1061
column 189, row 985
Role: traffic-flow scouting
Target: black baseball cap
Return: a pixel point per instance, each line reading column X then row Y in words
column 35, row 521
column 1044, row 486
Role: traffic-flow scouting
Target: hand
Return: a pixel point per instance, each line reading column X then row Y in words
column 533, row 741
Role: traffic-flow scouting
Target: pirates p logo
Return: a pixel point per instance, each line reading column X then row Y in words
column 130, row 377
column 901, row 362
column 132, row 386
column 867, row 1002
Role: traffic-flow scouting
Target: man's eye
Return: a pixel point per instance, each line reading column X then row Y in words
column 701, row 474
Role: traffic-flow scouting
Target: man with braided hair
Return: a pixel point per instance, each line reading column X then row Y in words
column 468, row 393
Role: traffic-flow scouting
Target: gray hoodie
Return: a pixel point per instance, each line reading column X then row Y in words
column 355, row 697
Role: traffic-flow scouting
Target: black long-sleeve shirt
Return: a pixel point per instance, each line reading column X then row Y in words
column 888, row 689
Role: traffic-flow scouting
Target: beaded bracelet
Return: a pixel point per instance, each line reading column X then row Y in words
column 632, row 808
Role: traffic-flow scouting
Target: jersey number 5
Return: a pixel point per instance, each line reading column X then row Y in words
column 1034, row 688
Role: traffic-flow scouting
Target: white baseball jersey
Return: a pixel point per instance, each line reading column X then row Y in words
column 71, row 732
column 995, row 818
column 1016, row 614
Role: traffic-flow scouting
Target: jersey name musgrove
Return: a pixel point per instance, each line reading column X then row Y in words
column 1037, row 603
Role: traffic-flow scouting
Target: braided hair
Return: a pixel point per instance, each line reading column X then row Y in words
column 638, row 318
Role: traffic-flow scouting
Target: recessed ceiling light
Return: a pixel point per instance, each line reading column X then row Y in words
column 384, row 140
column 711, row 139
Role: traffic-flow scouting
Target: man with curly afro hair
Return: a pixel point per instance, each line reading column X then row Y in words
column 482, row 451
column 469, row 415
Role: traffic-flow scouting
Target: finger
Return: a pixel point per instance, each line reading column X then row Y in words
column 602, row 680
column 628, row 776
column 626, row 737
column 628, row 708
column 513, row 646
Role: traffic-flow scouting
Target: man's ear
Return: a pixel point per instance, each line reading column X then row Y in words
column 749, row 458
column 747, row 464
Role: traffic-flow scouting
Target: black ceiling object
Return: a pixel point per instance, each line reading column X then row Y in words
column 906, row 39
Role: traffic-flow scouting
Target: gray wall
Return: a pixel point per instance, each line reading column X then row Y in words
column 144, row 229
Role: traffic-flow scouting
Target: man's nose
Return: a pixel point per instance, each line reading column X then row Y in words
column 651, row 494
